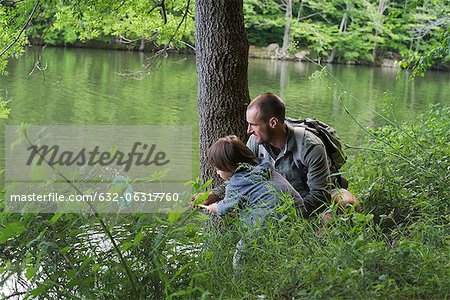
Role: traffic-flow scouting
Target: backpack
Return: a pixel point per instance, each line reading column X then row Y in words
column 332, row 142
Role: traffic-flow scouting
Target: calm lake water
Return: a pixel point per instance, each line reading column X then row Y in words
column 82, row 86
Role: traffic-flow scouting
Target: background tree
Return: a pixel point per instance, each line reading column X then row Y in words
column 429, row 36
column 378, row 22
column 342, row 27
column 264, row 22
column 15, row 18
column 287, row 5
column 122, row 22
column 362, row 31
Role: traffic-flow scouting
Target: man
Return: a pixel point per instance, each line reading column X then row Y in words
column 275, row 140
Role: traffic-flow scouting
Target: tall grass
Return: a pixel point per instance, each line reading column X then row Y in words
column 397, row 248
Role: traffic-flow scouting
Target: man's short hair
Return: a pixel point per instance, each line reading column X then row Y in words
column 269, row 105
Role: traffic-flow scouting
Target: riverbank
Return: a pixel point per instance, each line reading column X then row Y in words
column 254, row 51
column 306, row 55
column 270, row 52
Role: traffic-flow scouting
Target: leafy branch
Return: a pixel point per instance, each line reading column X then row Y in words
column 96, row 214
column 163, row 9
column 155, row 59
column 25, row 25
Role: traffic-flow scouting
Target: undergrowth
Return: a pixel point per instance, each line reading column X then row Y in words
column 397, row 248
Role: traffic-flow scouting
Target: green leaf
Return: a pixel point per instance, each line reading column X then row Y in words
column 72, row 273
column 202, row 198
column 39, row 290
column 138, row 238
column 173, row 217
column 70, row 36
column 65, row 249
column 95, row 267
column 31, row 271
column 125, row 246
column 54, row 219
column 11, row 230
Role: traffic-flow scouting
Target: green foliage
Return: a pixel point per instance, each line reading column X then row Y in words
column 397, row 248
column 419, row 62
column 351, row 258
column 11, row 21
column 4, row 110
column 127, row 21
column 121, row 22
column 377, row 254
column 74, row 250
column 317, row 35
column 361, row 31
column 429, row 36
column 408, row 171
column 263, row 22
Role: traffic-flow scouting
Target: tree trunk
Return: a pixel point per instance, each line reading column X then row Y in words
column 287, row 29
column 342, row 28
column 142, row 44
column 222, row 61
column 382, row 5
column 374, row 50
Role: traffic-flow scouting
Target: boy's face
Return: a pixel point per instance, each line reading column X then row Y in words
column 224, row 174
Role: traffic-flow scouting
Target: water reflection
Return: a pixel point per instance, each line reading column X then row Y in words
column 348, row 93
column 83, row 86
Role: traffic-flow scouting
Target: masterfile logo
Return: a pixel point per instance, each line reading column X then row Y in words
column 92, row 166
column 53, row 155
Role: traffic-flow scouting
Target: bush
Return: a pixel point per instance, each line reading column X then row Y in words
column 406, row 175
column 398, row 248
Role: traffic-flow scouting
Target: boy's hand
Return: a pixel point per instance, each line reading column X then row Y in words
column 327, row 217
column 194, row 200
column 212, row 198
column 212, row 208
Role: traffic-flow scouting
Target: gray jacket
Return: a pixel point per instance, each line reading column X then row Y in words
column 311, row 178
column 254, row 191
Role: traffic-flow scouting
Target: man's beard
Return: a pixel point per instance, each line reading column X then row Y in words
column 268, row 136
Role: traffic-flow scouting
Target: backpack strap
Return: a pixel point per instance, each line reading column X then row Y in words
column 263, row 154
column 299, row 135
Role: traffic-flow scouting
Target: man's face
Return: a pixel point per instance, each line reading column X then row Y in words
column 257, row 127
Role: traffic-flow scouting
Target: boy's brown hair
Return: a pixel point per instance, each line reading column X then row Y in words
column 227, row 152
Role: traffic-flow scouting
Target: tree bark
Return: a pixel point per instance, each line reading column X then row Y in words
column 287, row 29
column 222, row 62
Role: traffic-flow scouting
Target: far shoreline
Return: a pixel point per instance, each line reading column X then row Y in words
column 303, row 55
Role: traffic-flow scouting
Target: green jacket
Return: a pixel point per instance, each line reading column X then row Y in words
column 311, row 178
